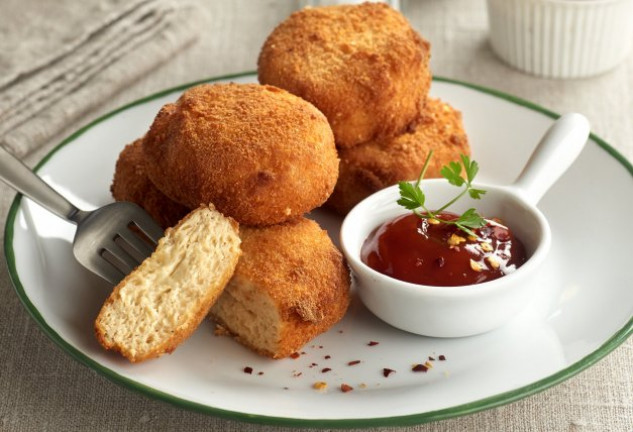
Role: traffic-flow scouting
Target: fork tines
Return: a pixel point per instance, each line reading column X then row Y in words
column 115, row 239
column 129, row 247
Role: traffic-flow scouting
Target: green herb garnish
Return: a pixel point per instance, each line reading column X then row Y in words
column 413, row 198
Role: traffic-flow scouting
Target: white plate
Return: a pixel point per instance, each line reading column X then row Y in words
column 581, row 312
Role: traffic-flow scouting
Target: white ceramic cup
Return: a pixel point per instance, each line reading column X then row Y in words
column 561, row 38
column 470, row 309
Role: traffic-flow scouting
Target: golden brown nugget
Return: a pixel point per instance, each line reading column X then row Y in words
column 375, row 165
column 290, row 285
column 362, row 65
column 131, row 183
column 258, row 153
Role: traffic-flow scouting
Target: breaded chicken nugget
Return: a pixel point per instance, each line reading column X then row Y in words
column 362, row 65
column 375, row 165
column 258, row 153
column 132, row 184
column 290, row 285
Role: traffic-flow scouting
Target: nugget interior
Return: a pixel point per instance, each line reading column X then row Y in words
column 163, row 300
column 251, row 315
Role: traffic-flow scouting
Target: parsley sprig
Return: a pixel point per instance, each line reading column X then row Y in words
column 412, row 197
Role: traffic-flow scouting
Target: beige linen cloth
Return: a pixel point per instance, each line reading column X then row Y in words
column 53, row 73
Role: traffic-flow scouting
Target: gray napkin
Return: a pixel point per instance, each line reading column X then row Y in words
column 59, row 59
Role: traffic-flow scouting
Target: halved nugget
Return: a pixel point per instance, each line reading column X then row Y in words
column 290, row 285
column 160, row 304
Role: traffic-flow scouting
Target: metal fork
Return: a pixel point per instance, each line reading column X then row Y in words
column 110, row 241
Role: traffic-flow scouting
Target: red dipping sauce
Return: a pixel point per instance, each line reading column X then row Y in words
column 417, row 250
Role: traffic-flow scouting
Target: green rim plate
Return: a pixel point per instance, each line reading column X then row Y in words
column 490, row 402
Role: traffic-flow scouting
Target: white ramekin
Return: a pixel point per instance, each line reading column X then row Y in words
column 466, row 310
column 561, row 38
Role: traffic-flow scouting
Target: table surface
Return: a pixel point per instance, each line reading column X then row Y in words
column 42, row 388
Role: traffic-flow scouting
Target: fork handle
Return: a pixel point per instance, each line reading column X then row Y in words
column 21, row 178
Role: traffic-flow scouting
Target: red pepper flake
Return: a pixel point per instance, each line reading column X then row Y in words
column 327, row 357
column 420, row 368
column 324, row 370
column 260, row 373
column 295, row 355
column 346, row 388
column 320, row 346
column 386, row 372
column 442, row 357
column 353, row 363
column 303, row 352
column 340, row 331
column 372, row 343
column 248, row 370
column 431, row 358
column 297, row 374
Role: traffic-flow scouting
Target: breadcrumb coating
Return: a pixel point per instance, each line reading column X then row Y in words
column 131, row 183
column 258, row 153
column 372, row 166
column 362, row 65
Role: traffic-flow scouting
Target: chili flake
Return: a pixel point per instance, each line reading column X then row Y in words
column 386, row 372
column 419, row 368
